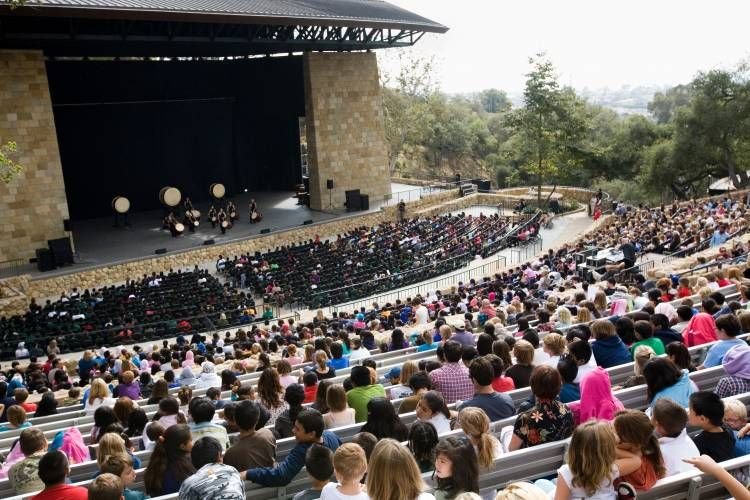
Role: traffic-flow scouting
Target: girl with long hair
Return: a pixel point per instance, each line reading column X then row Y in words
column 383, row 422
column 170, row 462
column 382, row 484
column 456, row 468
column 432, row 408
column 637, row 440
column 422, row 441
column 476, row 425
column 271, row 394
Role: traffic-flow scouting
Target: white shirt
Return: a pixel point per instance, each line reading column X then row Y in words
column 360, row 353
column 675, row 449
column 584, row 369
column 540, row 357
column 606, row 490
column 440, row 422
column 422, row 315
column 400, row 391
column 331, row 492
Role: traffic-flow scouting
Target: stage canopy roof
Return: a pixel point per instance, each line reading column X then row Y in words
column 207, row 28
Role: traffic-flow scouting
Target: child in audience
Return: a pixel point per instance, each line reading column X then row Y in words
column 21, row 395
column 169, row 413
column 74, row 397
column 310, row 379
column 367, row 441
column 422, row 441
column 707, row 412
column 151, row 435
column 122, row 467
column 170, row 462
column 106, row 487
column 592, row 464
column 339, row 413
column 637, row 440
column 16, row 419
column 319, row 466
column 349, row 466
column 669, row 420
column 405, row 484
column 456, row 468
column 521, row 490
column 735, row 417
column 476, row 424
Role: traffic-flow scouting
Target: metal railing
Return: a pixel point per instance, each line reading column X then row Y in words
column 698, row 247
column 525, row 250
column 486, row 269
column 11, row 266
column 418, row 193
column 718, row 264
column 630, row 273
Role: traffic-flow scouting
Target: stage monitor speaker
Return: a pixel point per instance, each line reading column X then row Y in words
column 329, row 184
column 307, row 222
column 62, row 252
column 44, row 259
column 67, row 226
column 364, row 202
column 160, row 251
column 209, row 242
column 265, row 231
column 352, row 200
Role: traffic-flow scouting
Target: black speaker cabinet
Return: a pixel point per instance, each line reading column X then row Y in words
column 44, row 259
column 62, row 252
column 364, row 202
column 329, row 184
column 353, row 200
column 160, row 251
column 67, row 226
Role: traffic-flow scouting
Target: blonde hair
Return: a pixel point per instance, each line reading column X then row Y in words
column 521, row 490
column 555, row 343
column 602, row 329
column 523, row 352
column 407, row 370
column 321, row 359
column 382, row 484
column 476, row 424
column 584, row 315
column 736, row 407
column 705, row 292
column 110, row 444
column 591, row 455
column 563, row 316
column 98, row 390
column 600, row 301
column 350, row 462
column 642, row 355
column 445, row 332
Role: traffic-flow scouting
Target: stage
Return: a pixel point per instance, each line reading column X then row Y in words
column 98, row 243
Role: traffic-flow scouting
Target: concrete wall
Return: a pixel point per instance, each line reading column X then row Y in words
column 33, row 205
column 345, row 130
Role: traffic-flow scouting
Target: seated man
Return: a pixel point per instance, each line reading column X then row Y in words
column 308, row 429
column 495, row 404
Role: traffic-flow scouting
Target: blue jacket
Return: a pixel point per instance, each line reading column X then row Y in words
column 610, row 352
column 284, row 472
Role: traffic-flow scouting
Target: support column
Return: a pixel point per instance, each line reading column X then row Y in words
column 33, row 205
column 345, row 130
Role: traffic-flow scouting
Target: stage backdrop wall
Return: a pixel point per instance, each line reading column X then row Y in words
column 131, row 127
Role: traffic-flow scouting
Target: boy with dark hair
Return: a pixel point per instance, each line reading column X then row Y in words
column 24, row 475
column 53, row 469
column 308, row 429
column 254, row 448
column 727, row 329
column 310, row 381
column 495, row 404
column 419, row 383
column 106, row 487
column 202, row 411
column 707, row 412
column 363, row 392
column 212, row 479
column 669, row 420
column 319, row 466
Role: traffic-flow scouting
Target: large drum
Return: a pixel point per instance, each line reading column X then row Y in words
column 217, row 190
column 120, row 204
column 170, row 196
column 195, row 213
column 179, row 227
column 225, row 224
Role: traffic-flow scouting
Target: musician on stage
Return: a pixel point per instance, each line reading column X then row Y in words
column 224, row 221
column 188, row 204
column 255, row 215
column 212, row 216
column 170, row 222
column 232, row 211
column 189, row 220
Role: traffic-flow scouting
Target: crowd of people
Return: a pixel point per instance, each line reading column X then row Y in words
column 539, row 326
column 366, row 261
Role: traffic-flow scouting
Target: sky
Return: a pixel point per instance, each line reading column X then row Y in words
column 593, row 44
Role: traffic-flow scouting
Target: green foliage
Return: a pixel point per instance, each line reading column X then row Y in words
column 9, row 168
column 697, row 132
column 14, row 4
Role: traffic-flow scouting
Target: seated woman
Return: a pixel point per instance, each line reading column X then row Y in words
column 548, row 420
column 665, row 380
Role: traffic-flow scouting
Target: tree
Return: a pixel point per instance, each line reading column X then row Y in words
column 663, row 105
column 493, row 101
column 550, row 124
column 9, row 168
